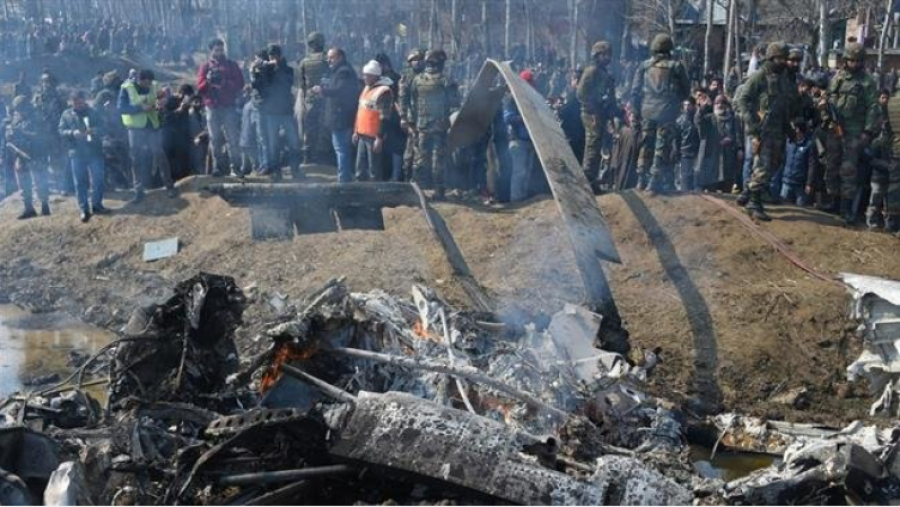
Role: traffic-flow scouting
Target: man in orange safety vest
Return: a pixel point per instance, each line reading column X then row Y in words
column 375, row 106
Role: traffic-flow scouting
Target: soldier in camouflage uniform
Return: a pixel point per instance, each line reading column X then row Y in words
column 49, row 105
column 660, row 85
column 767, row 104
column 416, row 64
column 597, row 94
column 314, row 67
column 854, row 96
column 433, row 97
column 884, row 203
column 22, row 138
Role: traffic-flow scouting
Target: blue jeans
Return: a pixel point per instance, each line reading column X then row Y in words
column 368, row 163
column 227, row 120
column 84, row 168
column 272, row 125
column 342, row 140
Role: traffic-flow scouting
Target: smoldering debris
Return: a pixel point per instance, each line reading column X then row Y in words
column 371, row 398
column 876, row 308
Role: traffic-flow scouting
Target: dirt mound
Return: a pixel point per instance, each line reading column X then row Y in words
column 738, row 323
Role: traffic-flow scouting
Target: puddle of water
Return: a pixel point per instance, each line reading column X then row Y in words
column 729, row 466
column 33, row 345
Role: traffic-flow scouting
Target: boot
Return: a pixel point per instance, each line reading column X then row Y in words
column 744, row 198
column 642, row 182
column 847, row 213
column 873, row 219
column 829, row 204
column 45, row 209
column 755, row 208
column 655, row 185
column 28, row 213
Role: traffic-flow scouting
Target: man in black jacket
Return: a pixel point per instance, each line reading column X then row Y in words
column 341, row 92
column 271, row 81
column 688, row 139
column 81, row 128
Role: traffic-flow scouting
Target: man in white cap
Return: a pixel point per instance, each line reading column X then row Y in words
column 374, row 110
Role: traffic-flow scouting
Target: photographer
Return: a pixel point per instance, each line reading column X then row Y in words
column 220, row 83
column 140, row 114
column 272, row 80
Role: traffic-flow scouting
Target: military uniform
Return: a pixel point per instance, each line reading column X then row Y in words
column 597, row 94
column 854, row 96
column 313, row 68
column 403, row 107
column 48, row 108
column 767, row 105
column 659, row 87
column 22, row 137
column 433, row 97
column 885, row 198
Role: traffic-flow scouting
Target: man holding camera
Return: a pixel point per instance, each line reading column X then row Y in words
column 220, row 83
column 140, row 114
column 272, row 80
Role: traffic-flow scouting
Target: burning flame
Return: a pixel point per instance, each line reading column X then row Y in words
column 286, row 353
column 419, row 330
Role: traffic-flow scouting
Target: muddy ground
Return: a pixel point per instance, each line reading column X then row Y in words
column 737, row 323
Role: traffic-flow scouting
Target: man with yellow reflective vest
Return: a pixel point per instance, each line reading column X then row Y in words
column 140, row 114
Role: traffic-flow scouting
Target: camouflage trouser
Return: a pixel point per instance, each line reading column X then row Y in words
column 409, row 154
column 885, row 187
column 767, row 160
column 316, row 140
column 655, row 157
column 32, row 179
column 431, row 155
column 593, row 145
column 841, row 167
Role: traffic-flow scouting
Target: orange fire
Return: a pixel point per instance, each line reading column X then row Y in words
column 419, row 330
column 285, row 353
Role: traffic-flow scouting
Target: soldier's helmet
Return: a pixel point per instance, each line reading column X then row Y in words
column 795, row 54
column 662, row 43
column 416, row 55
column 777, row 50
column 855, row 51
column 601, row 48
column 20, row 103
column 436, row 56
column 316, row 39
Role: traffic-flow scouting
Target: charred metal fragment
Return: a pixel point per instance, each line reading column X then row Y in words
column 400, row 432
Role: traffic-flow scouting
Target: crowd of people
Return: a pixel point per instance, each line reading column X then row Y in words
column 23, row 39
column 817, row 137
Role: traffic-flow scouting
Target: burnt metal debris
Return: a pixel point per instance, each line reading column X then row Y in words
column 369, row 398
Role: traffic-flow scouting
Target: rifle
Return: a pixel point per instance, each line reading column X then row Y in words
column 18, row 151
column 832, row 118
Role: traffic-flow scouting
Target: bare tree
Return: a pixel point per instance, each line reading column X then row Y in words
column 707, row 39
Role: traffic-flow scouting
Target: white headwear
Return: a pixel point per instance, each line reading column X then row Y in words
column 372, row 68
